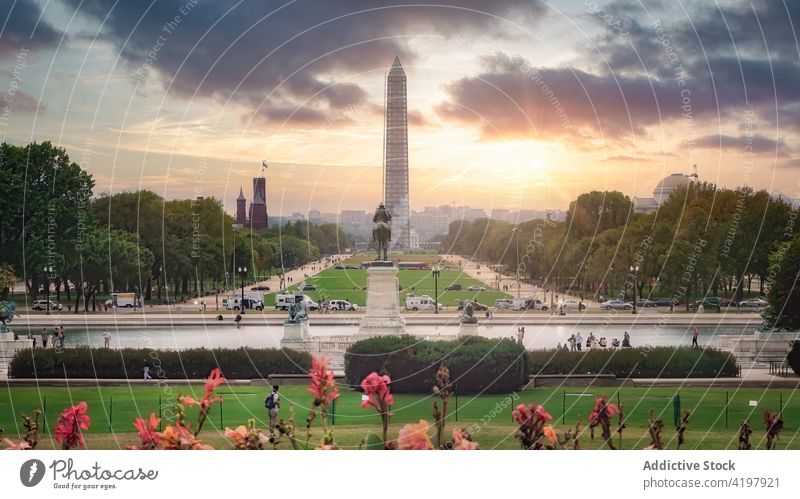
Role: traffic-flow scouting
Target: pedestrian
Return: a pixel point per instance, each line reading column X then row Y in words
column 146, row 371
column 626, row 340
column 237, row 319
column 273, row 403
column 44, row 335
column 695, row 334
column 578, row 341
column 107, row 339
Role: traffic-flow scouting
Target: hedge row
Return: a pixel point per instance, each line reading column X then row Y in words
column 477, row 365
column 643, row 362
column 128, row 363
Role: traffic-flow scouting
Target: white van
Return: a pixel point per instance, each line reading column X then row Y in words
column 284, row 300
column 423, row 302
column 127, row 300
column 249, row 303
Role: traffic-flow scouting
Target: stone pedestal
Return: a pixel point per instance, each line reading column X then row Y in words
column 382, row 315
column 467, row 330
column 297, row 331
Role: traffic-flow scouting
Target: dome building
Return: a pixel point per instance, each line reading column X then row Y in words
column 663, row 191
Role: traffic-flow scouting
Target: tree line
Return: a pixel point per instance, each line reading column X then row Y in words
column 704, row 240
column 54, row 232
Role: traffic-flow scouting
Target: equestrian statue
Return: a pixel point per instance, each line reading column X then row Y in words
column 382, row 230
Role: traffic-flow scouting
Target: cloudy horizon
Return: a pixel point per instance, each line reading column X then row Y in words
column 512, row 103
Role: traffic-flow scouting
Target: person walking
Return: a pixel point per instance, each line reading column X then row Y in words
column 107, row 339
column 578, row 341
column 146, row 372
column 44, row 337
column 695, row 334
column 273, row 403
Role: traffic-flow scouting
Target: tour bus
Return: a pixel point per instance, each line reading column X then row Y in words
column 423, row 302
column 284, row 300
column 127, row 300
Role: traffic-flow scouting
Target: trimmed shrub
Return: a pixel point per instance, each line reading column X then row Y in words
column 477, row 365
column 128, row 363
column 663, row 362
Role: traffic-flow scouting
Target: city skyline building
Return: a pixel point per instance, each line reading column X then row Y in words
column 255, row 217
column 395, row 175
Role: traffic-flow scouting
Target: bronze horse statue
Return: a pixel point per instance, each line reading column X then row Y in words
column 382, row 230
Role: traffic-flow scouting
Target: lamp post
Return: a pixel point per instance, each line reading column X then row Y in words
column 47, row 271
column 634, row 269
column 242, row 273
column 160, row 274
column 436, row 270
column 515, row 230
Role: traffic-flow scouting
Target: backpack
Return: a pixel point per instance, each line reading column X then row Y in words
column 269, row 402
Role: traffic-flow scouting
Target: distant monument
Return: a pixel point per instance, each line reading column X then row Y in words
column 256, row 217
column 395, row 189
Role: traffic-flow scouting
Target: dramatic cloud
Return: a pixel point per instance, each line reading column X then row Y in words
column 755, row 144
column 647, row 68
column 23, row 28
column 284, row 59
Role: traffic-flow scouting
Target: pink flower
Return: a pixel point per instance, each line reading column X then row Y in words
column 550, row 434
column 323, row 386
column 376, row 388
column 461, row 442
column 414, row 437
column 12, row 445
column 536, row 412
column 71, row 422
column 148, row 431
column 602, row 409
column 214, row 380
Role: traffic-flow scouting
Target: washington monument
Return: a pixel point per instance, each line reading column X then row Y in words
column 395, row 175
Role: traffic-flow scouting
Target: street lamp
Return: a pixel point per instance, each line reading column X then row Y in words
column 242, row 273
column 160, row 275
column 634, row 269
column 516, row 231
column 47, row 271
column 436, row 271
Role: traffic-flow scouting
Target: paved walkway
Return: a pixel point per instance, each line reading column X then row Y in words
column 496, row 280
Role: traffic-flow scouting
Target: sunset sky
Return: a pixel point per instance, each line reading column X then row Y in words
column 511, row 103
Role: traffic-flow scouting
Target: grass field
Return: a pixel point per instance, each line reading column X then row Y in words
column 350, row 284
column 489, row 416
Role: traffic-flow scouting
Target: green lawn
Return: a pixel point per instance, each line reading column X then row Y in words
column 113, row 409
column 350, row 284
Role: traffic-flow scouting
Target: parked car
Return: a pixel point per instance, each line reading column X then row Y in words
column 341, row 305
column 478, row 307
column 453, row 287
column 260, row 287
column 475, row 287
column 666, row 302
column 571, row 304
column 42, row 305
column 754, row 302
column 504, row 303
column 713, row 302
column 529, row 304
column 616, row 305
column 645, row 303
column 309, row 287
